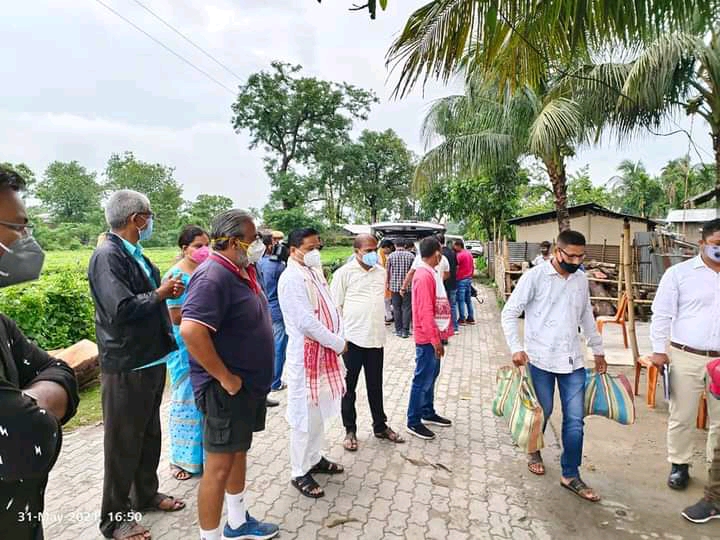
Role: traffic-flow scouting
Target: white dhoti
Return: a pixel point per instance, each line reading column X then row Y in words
column 306, row 446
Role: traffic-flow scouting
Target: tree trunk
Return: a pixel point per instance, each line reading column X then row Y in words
column 556, row 170
column 373, row 215
column 716, row 149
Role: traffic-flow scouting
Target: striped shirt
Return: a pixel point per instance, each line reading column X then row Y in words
column 398, row 265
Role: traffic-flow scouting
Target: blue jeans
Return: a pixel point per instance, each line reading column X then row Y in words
column 572, row 399
column 464, row 299
column 281, row 340
column 452, row 297
column 427, row 369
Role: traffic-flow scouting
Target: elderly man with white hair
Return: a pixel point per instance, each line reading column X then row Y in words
column 134, row 334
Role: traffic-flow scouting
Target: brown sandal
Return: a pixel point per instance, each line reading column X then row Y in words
column 535, row 463
column 160, row 504
column 581, row 489
column 180, row 474
column 350, row 443
column 390, row 435
column 130, row 529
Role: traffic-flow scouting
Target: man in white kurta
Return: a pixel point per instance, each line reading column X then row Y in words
column 301, row 280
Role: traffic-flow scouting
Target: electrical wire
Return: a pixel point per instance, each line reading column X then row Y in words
column 171, row 51
column 190, row 41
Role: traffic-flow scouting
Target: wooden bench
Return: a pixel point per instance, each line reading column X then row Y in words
column 652, row 379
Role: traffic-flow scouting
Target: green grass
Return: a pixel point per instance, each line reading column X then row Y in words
column 334, row 253
column 89, row 411
column 58, row 261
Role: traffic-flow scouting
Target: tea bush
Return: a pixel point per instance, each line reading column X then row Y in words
column 55, row 311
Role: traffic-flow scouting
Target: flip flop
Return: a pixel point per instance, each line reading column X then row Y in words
column 350, row 443
column 581, row 489
column 180, row 474
column 535, row 463
column 390, row 435
column 129, row 529
column 159, row 499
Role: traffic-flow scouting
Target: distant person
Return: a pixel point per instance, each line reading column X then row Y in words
column 685, row 337
column 399, row 264
column 38, row 393
column 387, row 246
column 544, row 254
column 271, row 268
column 556, row 302
column 357, row 289
column 450, row 281
column 226, row 325
column 314, row 375
column 432, row 321
column 134, row 335
column 185, row 420
column 465, row 273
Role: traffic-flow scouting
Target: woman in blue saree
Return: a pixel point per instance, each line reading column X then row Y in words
column 186, row 421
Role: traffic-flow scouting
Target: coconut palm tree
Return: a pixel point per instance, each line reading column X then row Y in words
column 480, row 130
column 636, row 191
column 517, row 39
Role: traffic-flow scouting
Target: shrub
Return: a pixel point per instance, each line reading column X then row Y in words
column 55, row 311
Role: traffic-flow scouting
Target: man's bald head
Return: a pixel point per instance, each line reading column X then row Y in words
column 365, row 242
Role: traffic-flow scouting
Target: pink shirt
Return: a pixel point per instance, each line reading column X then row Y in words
column 424, row 289
column 465, row 264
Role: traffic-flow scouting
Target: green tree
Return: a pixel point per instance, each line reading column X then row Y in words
column 636, row 191
column 681, row 180
column 69, row 192
column 287, row 220
column 517, row 39
column 204, row 208
column 154, row 180
column 581, row 190
column 292, row 117
column 380, row 169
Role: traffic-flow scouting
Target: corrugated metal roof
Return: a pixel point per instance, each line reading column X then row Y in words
column 692, row 215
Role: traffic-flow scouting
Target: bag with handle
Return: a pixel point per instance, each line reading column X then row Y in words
column 609, row 396
column 516, row 401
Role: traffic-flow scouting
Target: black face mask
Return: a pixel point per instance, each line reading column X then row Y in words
column 570, row 268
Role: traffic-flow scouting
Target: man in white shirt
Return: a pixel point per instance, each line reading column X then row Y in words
column 314, row 373
column 685, row 325
column 544, row 254
column 358, row 289
column 556, row 301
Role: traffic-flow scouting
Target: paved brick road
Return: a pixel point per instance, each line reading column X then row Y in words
column 468, row 483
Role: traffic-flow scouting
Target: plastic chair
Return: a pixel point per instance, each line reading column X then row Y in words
column 618, row 318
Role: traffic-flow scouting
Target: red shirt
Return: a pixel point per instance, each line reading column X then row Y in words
column 424, row 289
column 465, row 265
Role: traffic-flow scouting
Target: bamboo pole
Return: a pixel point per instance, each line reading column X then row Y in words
column 628, row 274
column 621, row 269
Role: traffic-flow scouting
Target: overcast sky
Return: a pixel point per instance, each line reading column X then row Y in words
column 80, row 83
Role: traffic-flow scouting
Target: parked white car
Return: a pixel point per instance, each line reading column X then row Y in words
column 476, row 247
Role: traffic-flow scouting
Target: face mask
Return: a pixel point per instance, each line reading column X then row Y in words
column 370, row 259
column 255, row 251
column 200, row 254
column 312, row 259
column 570, row 268
column 146, row 233
column 21, row 263
column 712, row 253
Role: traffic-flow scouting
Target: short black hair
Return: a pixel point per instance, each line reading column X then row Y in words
column 10, row 179
column 267, row 239
column 459, row 243
column 545, row 243
column 709, row 228
column 188, row 234
column 571, row 238
column 387, row 243
column 297, row 236
column 429, row 247
column 409, row 244
column 440, row 238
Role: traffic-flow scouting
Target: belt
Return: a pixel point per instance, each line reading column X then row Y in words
column 690, row 350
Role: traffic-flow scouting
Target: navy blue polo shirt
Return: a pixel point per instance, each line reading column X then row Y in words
column 239, row 323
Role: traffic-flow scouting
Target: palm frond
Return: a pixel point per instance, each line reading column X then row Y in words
column 559, row 123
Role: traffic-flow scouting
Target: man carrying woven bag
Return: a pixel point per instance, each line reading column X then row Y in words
column 556, row 302
column 516, row 401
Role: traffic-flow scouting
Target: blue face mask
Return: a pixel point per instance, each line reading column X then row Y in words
column 712, row 252
column 146, row 233
column 370, row 259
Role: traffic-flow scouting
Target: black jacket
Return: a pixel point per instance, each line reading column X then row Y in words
column 132, row 324
column 30, row 438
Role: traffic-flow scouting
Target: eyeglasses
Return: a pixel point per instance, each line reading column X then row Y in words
column 22, row 228
column 575, row 257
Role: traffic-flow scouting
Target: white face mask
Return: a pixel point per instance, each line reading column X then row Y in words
column 255, row 251
column 312, row 259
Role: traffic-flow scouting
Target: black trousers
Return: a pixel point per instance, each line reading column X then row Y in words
column 131, row 414
column 402, row 311
column 371, row 360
